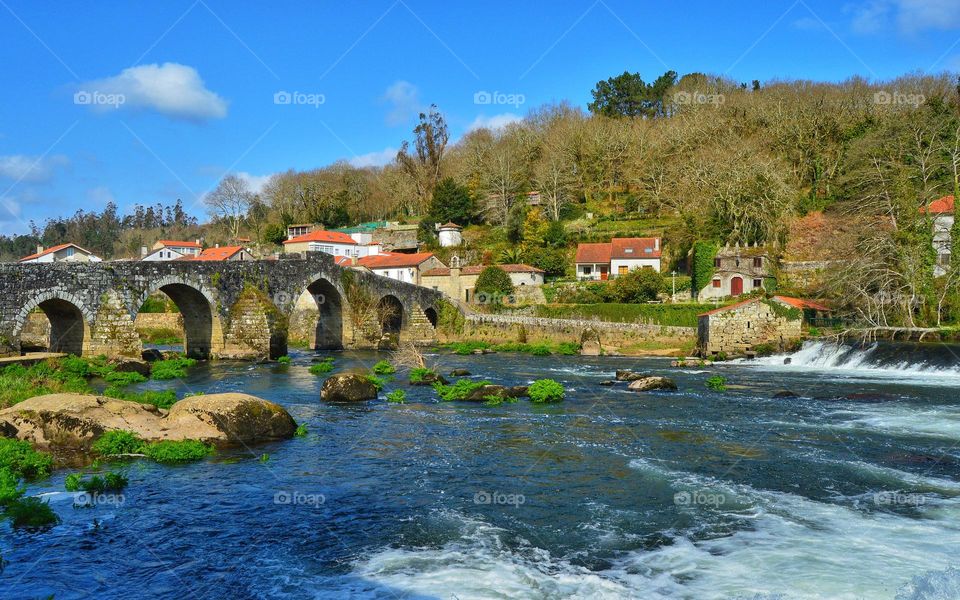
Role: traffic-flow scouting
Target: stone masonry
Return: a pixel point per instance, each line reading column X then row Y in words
column 240, row 309
column 737, row 328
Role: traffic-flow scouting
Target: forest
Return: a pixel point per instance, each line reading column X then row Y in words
column 697, row 157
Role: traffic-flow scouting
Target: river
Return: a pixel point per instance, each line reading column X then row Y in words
column 610, row 494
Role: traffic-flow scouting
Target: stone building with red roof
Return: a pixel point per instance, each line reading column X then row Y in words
column 941, row 210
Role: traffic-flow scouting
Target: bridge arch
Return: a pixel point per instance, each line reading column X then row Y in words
column 432, row 316
column 69, row 318
column 320, row 315
column 390, row 314
column 202, row 326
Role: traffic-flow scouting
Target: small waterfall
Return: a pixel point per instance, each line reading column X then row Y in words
column 886, row 357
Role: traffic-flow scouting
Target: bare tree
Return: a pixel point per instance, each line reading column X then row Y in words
column 424, row 165
column 231, row 200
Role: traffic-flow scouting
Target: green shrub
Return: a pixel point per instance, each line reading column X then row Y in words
column 494, row 281
column 173, row 368
column 284, row 360
column 378, row 382
column 22, row 461
column 10, row 488
column 637, row 286
column 118, row 441
column 421, row 374
column 568, row 348
column 110, row 482
column 717, row 383
column 124, row 378
column 702, row 268
column 30, row 513
column 458, row 391
column 301, row 430
column 168, row 451
column 467, row 347
column 384, row 368
column 397, row 397
column 546, row 391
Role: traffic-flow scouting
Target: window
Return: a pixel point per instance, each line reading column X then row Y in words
column 716, row 283
column 622, row 270
column 757, row 283
column 716, row 262
column 758, row 262
column 587, row 270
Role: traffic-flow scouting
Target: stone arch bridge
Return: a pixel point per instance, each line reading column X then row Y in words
column 243, row 309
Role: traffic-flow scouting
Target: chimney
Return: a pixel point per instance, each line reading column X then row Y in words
column 39, row 248
column 198, row 241
column 216, row 245
column 143, row 251
column 656, row 243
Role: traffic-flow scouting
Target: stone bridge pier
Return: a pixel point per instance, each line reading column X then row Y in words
column 242, row 310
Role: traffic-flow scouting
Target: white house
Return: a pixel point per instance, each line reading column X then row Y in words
column 450, row 234
column 61, row 253
column 356, row 245
column 402, row 267
column 161, row 254
column 942, row 212
column 181, row 247
column 618, row 257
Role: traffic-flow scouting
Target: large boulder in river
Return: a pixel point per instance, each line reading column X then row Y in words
column 486, row 392
column 627, row 375
column 651, row 383
column 348, row 387
column 71, row 422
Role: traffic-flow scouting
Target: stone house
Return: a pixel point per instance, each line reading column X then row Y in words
column 62, row 253
column 735, row 329
column 738, row 270
column 460, row 282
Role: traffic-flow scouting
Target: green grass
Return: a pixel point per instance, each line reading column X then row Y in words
column 536, row 349
column 717, row 383
column 21, row 460
column 169, row 451
column 17, row 382
column 109, row 482
column 546, row 391
column 124, row 378
column 301, row 430
column 30, row 513
column 284, row 360
column 118, row 441
column 384, row 368
column 421, row 374
column 172, row 368
column 459, row 390
column 397, row 397
column 677, row 315
column 161, row 336
column 323, row 367
column 160, row 399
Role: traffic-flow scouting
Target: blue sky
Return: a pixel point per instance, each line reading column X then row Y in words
column 146, row 102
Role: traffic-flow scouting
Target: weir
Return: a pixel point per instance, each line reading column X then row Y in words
column 230, row 309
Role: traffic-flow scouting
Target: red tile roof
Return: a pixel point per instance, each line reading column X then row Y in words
column 392, row 261
column 594, row 253
column 938, row 207
column 626, row 248
column 801, row 303
column 332, row 237
column 451, row 224
column 221, row 253
column 477, row 269
column 54, row 249
column 178, row 244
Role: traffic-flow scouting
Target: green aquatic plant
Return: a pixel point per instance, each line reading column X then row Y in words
column 124, row 378
column 109, row 482
column 378, row 382
column 460, row 390
column 323, row 367
column 21, row 460
column 421, row 374
column 384, row 368
column 546, row 391
column 284, row 360
column 717, row 383
column 397, row 397
column 118, row 442
column 170, row 451
column 30, row 513
column 301, row 430
column 171, row 368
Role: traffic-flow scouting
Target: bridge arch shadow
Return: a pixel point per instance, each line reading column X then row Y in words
column 390, row 315
column 202, row 329
column 69, row 321
column 324, row 298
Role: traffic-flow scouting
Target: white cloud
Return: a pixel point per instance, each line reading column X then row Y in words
column 255, row 182
column 404, row 100
column 870, row 17
column 918, row 15
column 171, row 89
column 100, row 195
column 494, row 122
column 374, row 159
column 31, row 169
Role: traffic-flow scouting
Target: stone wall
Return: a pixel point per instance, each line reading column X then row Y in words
column 505, row 328
column 736, row 330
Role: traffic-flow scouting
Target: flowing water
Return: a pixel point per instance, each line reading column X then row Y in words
column 850, row 490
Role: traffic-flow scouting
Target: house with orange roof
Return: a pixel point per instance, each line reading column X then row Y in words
column 941, row 210
column 61, row 253
column 165, row 250
column 599, row 262
column 336, row 243
column 402, row 267
column 222, row 253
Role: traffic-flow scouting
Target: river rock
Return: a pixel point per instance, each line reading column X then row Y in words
column 460, row 373
column 607, row 382
column 348, row 387
column 627, row 375
column 131, row 365
column 151, row 355
column 430, row 379
column 481, row 394
column 590, row 348
column 786, row 394
column 652, row 382
column 72, row 422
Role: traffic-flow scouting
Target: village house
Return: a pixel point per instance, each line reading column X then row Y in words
column 407, row 268
column 336, row 243
column 460, row 282
column 450, row 234
column 222, row 253
column 738, row 328
column 738, row 270
column 942, row 212
column 61, row 253
column 171, row 250
column 599, row 262
column 298, row 229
